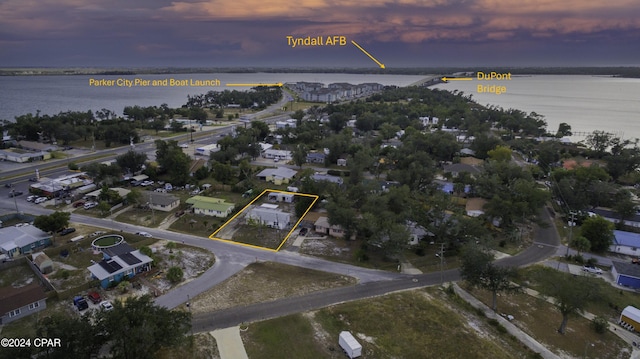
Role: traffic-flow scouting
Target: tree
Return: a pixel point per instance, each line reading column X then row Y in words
column 478, row 269
column 78, row 337
column 599, row 141
column 581, row 244
column 175, row 274
column 564, row 129
column 500, row 153
column 173, row 161
column 53, row 222
column 299, row 155
column 599, row 232
column 571, row 293
column 139, row 329
column 131, row 161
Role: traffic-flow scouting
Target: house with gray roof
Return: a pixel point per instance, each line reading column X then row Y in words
column 161, row 201
column 325, row 177
column 278, row 175
column 22, row 240
column 269, row 216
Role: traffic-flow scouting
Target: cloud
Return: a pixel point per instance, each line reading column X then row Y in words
column 231, row 29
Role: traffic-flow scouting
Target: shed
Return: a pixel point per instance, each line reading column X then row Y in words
column 43, row 262
column 626, row 274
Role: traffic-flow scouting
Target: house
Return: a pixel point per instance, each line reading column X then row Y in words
column 278, row 175
column 207, row 150
column 210, row 206
column 16, row 303
column 161, row 201
column 43, row 262
column 475, row 207
column 281, row 197
column 270, row 216
column 341, row 162
column 93, row 196
column 22, row 156
column 291, row 123
column 457, row 168
column 279, row 154
column 625, row 243
column 322, row 226
column 626, row 274
column 22, row 240
column 110, row 272
column 325, row 177
column 612, row 216
column 316, row 157
column 416, row 232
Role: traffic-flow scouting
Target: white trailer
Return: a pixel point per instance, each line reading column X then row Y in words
column 350, row 345
column 630, row 318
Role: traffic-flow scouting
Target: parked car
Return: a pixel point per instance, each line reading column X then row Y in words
column 106, row 305
column 33, row 179
column 144, row 234
column 90, row 205
column 303, row 231
column 15, row 193
column 40, row 200
column 8, row 185
column 80, row 303
column 94, row 297
column 591, row 269
column 78, row 204
column 66, row 231
column 31, row 198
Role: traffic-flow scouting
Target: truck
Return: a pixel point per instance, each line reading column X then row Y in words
column 630, row 318
column 350, row 345
column 80, row 303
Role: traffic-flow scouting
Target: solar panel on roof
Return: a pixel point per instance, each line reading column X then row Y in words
column 129, row 258
column 110, row 267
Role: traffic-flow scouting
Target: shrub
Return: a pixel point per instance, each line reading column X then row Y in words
column 175, row 274
column 600, row 325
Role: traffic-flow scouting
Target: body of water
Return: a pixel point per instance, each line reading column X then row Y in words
column 20, row 95
column 587, row 103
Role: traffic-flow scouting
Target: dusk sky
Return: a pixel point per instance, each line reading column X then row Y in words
column 401, row 33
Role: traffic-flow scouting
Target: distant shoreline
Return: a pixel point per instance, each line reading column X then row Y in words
column 620, row 71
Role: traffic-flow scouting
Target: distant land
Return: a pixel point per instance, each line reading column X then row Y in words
column 631, row 72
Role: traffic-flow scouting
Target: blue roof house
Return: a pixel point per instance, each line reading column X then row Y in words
column 626, row 243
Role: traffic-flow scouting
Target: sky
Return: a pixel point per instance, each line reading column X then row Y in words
column 398, row 33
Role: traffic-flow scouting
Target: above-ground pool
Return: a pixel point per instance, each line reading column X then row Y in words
column 107, row 241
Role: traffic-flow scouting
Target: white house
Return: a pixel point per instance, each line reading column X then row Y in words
column 209, row 206
column 279, row 154
column 626, row 243
column 281, row 197
column 269, row 216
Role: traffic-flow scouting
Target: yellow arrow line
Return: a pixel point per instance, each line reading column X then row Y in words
column 279, row 84
column 457, row 79
column 368, row 54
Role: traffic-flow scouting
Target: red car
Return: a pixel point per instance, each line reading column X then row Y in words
column 78, row 204
column 94, row 297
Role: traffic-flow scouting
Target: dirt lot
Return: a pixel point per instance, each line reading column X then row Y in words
column 262, row 282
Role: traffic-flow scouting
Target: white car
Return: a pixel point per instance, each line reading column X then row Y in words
column 593, row 270
column 106, row 305
column 32, row 198
column 90, row 205
column 144, row 234
column 40, row 200
column 184, row 145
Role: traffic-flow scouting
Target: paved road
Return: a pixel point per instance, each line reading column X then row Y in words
column 546, row 243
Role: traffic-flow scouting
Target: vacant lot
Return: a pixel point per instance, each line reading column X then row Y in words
column 415, row 324
column 262, row 282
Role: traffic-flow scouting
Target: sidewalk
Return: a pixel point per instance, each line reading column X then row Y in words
column 230, row 344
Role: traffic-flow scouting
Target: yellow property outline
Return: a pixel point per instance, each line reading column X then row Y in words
column 315, row 198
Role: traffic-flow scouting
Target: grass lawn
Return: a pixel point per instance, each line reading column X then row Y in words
column 197, row 225
column 412, row 324
column 143, row 217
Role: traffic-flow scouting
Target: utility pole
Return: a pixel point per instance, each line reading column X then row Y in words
column 441, row 254
column 571, row 224
column 15, row 201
